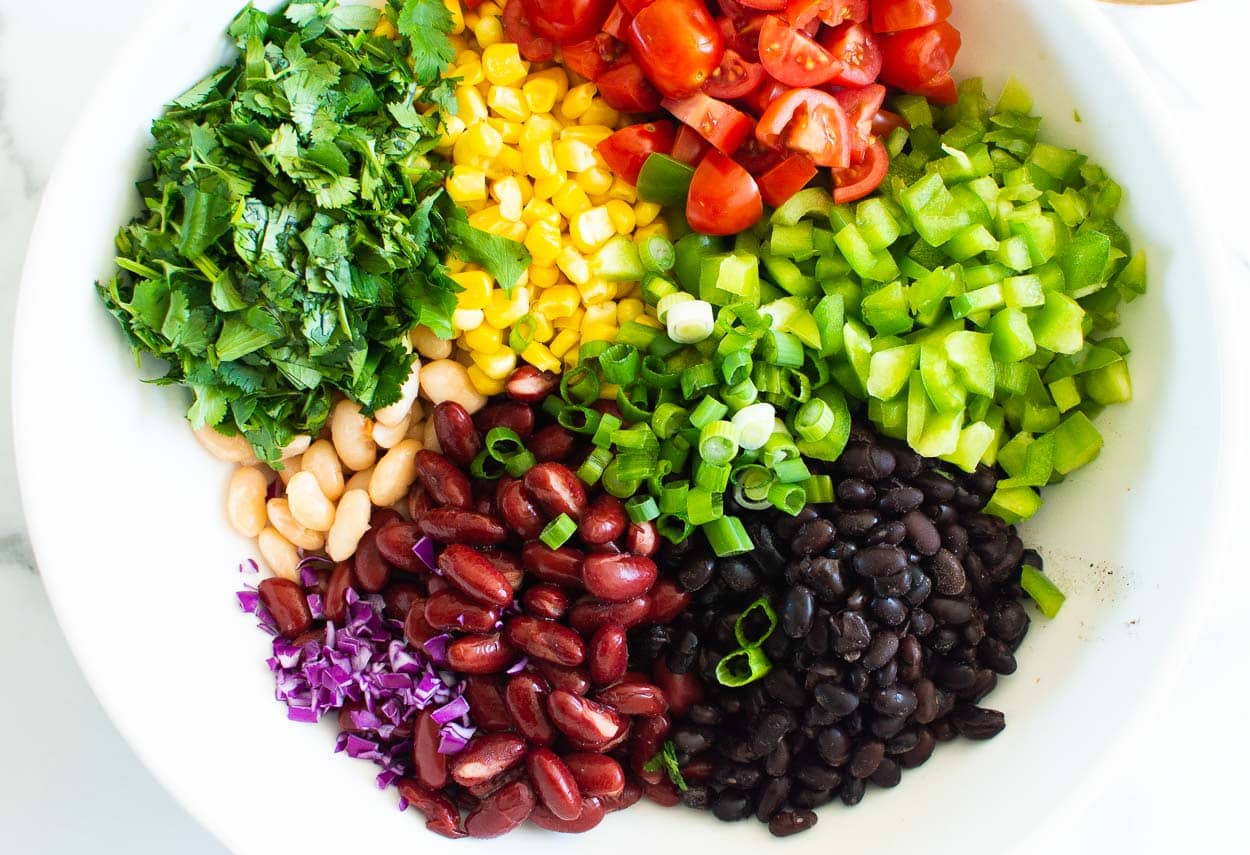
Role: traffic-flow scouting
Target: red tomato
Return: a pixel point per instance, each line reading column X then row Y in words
column 617, row 23
column 855, row 53
column 633, row 7
column 689, row 147
column 764, row 5
column 677, row 44
column 566, row 21
column 884, row 123
column 855, row 11
column 890, row 16
column 624, row 88
column 627, row 149
column 718, row 123
column 861, row 106
column 792, row 57
column 743, row 35
column 802, row 12
column 724, row 199
column 757, row 102
column 756, row 159
column 913, row 58
column 786, row 178
column 811, row 122
column 862, row 178
column 518, row 31
column 734, row 78
column 592, row 57
column 941, row 89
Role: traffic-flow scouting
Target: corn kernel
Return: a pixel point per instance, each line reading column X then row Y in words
column 574, row 265
column 507, row 192
column 541, row 357
column 497, row 365
column 541, row 94
column 648, row 321
column 503, row 65
column 597, row 291
column 558, row 301
column 599, row 332
column 504, row 311
column 577, row 102
column 608, row 391
column 572, row 322
column 509, row 131
column 623, row 190
column 570, row 200
column 467, row 319
column 466, row 184
column 543, row 276
column 483, row 339
column 574, row 156
column 599, row 113
column 479, row 141
column 659, row 227
column 595, row 180
column 540, row 211
column 485, row 385
column 602, row 313
column 564, row 341
column 455, row 265
column 539, row 128
column 487, row 219
column 385, row 29
column 506, row 101
column 540, row 160
column 457, row 15
column 470, row 105
column 453, row 129
column 645, row 213
column 508, row 161
column 545, row 188
column 628, row 310
column 537, row 327
column 471, row 19
column 544, row 242
column 514, row 231
column 591, row 229
column 468, row 68
column 622, row 216
column 592, row 135
column 489, row 30
column 477, row 285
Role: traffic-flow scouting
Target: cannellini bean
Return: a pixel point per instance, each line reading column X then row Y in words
column 389, row 436
column 279, row 553
column 308, row 504
column 417, row 413
column 359, row 481
column 232, row 449
column 394, row 474
column 393, row 414
column 245, row 501
column 430, row 437
column 448, row 380
column 321, row 460
column 296, row 447
column 428, row 344
column 351, row 521
column 350, row 432
column 281, row 518
column 289, row 468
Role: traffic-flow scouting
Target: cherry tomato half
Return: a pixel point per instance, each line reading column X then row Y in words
column 856, row 54
column 677, row 44
column 734, row 77
column 717, row 122
column 890, row 16
column 786, row 178
column 941, row 89
column 862, row 178
column 689, row 146
column 743, row 35
column 633, row 7
column 884, row 123
column 792, row 57
column 811, row 122
column 594, row 56
column 764, row 5
column 566, row 21
column 832, row 12
column 862, row 106
column 517, row 30
column 913, row 58
column 724, row 199
column 624, row 88
column 756, row 159
column 617, row 23
column 627, row 149
column 767, row 92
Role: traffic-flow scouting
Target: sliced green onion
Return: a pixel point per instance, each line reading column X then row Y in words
column 703, row 506
column 690, row 322
column 727, row 536
column 608, row 424
column 591, row 350
column 750, row 504
column 522, row 334
column 708, row 410
column 787, row 497
column 557, row 532
column 553, row 405
column 656, row 374
column 518, row 464
column 754, row 480
column 755, row 425
column 819, row 490
column 742, row 667
column 665, row 761
column 620, row 364
column 736, row 366
column 485, row 466
column 1044, row 592
column 658, row 254
column 668, row 419
column 617, row 485
column 592, row 468
column 675, row 452
column 696, row 378
column 637, row 335
column 713, row 477
column 635, row 465
column 740, row 395
column 642, row 509
column 814, row 420
column 673, row 498
column 762, row 605
column 782, row 349
column 639, row 436
column 634, row 404
column 579, row 386
column 718, row 442
column 792, row 471
column 503, row 444
column 579, row 419
column 673, row 527
column 668, row 301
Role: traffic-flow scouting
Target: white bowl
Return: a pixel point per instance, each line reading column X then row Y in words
column 125, row 509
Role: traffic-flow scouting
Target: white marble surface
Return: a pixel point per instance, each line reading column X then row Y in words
column 70, row 784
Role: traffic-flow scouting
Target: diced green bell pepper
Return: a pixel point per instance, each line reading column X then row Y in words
column 885, row 310
column 664, row 180
column 941, row 383
column 974, row 441
column 1014, row 504
column 1077, row 442
column 1057, row 325
column 890, row 369
column 970, row 354
column 1110, row 384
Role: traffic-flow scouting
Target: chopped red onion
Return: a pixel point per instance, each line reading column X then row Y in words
column 436, row 647
column 454, row 737
column 451, row 711
column 249, row 567
column 248, row 601
column 314, row 606
column 518, row 666
column 424, row 549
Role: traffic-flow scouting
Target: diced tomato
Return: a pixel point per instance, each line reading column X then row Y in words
column 757, row 159
column 723, row 198
column 690, row 146
column 801, row 12
column 764, row 5
column 792, row 57
column 890, row 16
column 627, row 149
column 856, row 54
column 767, row 92
column 677, row 44
column 811, row 122
column 718, row 123
column 786, row 178
column 941, row 89
column 592, row 57
column 884, row 123
column 861, row 106
column 734, row 78
column 633, row 7
column 743, row 35
column 517, row 30
column 617, row 23
column 914, row 58
column 566, row 21
column 842, row 11
column 862, row 178
column 625, row 88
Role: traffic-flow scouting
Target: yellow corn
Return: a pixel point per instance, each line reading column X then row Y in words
column 509, row 131
column 543, row 242
column 541, row 94
column 488, row 31
column 497, row 365
column 507, row 162
column 577, row 102
column 504, row 311
column 574, row 265
column 487, row 219
column 599, row 113
column 503, row 65
column 490, row 8
column 628, row 310
column 539, row 328
column 603, row 313
column 558, row 301
column 483, row 339
column 542, row 277
column 478, row 141
column 575, row 156
column 477, row 285
column 508, row 102
column 541, row 357
column 595, row 181
column 645, row 213
column 457, row 15
column 572, row 322
column 453, row 129
column 564, row 341
column 592, row 135
column 623, row 190
column 483, row 384
column 597, row 291
column 507, row 192
column 622, row 215
column 539, row 160
column 599, row 332
column 647, row 320
column 659, row 227
column 468, row 69
column 591, row 229
column 545, row 188
column 609, row 391
column 539, row 211
column 467, row 184
column 467, row 319
column 570, row 199
column 470, row 105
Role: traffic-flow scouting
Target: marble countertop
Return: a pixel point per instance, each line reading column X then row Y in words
column 71, row 785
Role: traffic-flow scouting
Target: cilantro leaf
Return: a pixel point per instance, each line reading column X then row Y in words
column 503, row 258
column 427, row 24
column 665, row 761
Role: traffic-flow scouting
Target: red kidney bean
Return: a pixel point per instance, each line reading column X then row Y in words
column 561, row 566
column 474, row 575
column 486, row 700
column 629, row 796
column 554, row 784
column 556, row 489
column 335, row 601
column 589, row 613
column 530, row 385
column 430, row 765
column 371, row 569
column 518, row 511
column 435, row 584
column 480, row 654
column 502, row 811
column 445, row 483
column 546, row 639
column 452, row 610
column 661, row 792
column 486, row 756
column 514, row 415
column 609, row 654
column 417, row 630
column 545, row 601
column 486, row 788
column 590, row 813
column 699, row 768
column 457, row 435
column 525, row 698
column 604, row 520
column 484, row 498
column 588, row 724
column 606, row 407
column 634, row 698
column 609, row 548
column 642, row 539
column 682, row 690
column 382, row 517
column 618, row 577
column 645, row 742
column 287, row 604
column 394, row 544
column 551, row 444
column 419, row 502
column 668, row 600
column 448, row 525
column 399, row 597
column 507, row 564
column 574, row 680
column 596, row 774
column 441, row 815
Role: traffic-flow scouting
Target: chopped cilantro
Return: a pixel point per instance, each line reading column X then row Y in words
column 666, row 761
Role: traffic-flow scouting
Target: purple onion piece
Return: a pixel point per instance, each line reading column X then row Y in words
column 518, row 666
column 436, row 647
column 454, row 737
column 424, row 549
column 451, row 711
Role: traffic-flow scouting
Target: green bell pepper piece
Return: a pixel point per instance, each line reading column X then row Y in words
column 829, row 315
column 971, row 355
column 1042, row 591
column 691, row 251
column 941, row 384
column 1023, row 292
column 795, row 242
column 1014, row 504
column 1065, row 393
column 1110, row 384
column 885, row 310
column 878, row 226
column 814, row 201
column 974, row 441
column 1058, row 324
column 786, row 274
column 1077, row 442
column 890, row 369
column 1084, row 261
column 858, row 351
column 1012, row 339
column 618, row 260
column 664, row 180
column 987, row 299
column 730, row 278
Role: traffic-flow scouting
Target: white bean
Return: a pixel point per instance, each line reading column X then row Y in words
column 428, row 344
column 245, row 500
column 308, row 504
column 388, row 436
column 351, row 521
column 448, row 380
column 393, row 414
column 430, row 437
column 359, row 481
column 350, row 432
column 281, row 518
column 289, row 468
column 232, row 449
column 296, row 447
column 321, row 460
column 394, row 474
column 279, row 553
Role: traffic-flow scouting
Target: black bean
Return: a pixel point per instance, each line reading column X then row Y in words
column 943, row 515
column 765, row 551
column 922, row 623
column 853, row 791
column 955, row 538
column 881, row 650
column 891, row 533
column 773, row 798
column 857, row 523
column 732, row 805
column 834, row 746
column 835, row 698
column 948, row 573
column 893, row 586
column 967, row 500
column 891, row 611
column 901, row 744
column 985, row 683
column 887, row 674
column 1008, row 621
column 768, row 731
column 791, row 822
column 888, row 774
column 1033, row 558
column 855, row 493
column 784, row 687
column 936, row 487
column 813, row 538
column 776, row 646
column 926, row 701
column 777, row 763
column 697, row 796
column 737, row 575
column 866, row 759
column 955, row 676
column 696, row 573
column 824, row 577
column 858, row 600
column 817, row 776
column 739, row 776
column 992, row 552
column 693, row 740
column 974, row 722
column 843, row 550
column 806, row 797
column 924, row 749
column 878, row 561
column 853, row 635
column 922, row 533
column 921, row 586
column 797, row 612
column 895, row 701
column 950, row 611
column 900, row 500
column 816, row 717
